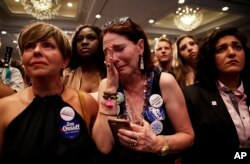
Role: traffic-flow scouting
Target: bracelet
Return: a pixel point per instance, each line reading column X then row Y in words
column 107, row 103
column 106, row 97
column 165, row 148
column 110, row 95
column 106, row 114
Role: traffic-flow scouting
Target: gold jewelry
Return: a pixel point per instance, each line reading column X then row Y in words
column 165, row 148
column 132, row 142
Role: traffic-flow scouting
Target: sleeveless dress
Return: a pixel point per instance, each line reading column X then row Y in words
column 122, row 154
column 49, row 129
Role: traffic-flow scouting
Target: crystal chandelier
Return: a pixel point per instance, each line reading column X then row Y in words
column 42, row 9
column 187, row 18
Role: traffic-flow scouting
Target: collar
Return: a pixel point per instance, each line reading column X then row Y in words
column 223, row 88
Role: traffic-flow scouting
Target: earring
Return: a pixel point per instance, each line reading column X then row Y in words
column 141, row 63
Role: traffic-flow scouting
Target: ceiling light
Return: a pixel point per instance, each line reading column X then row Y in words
column 181, row 1
column 151, row 21
column 42, row 9
column 69, row 4
column 187, row 18
column 225, row 8
column 98, row 16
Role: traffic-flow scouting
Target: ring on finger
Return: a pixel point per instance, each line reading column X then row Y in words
column 133, row 142
column 138, row 138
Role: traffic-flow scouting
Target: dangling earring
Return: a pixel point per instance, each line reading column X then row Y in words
column 141, row 62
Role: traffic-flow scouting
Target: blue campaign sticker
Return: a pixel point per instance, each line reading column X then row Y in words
column 153, row 113
column 70, row 129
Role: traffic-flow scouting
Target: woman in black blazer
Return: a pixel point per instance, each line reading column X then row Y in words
column 218, row 103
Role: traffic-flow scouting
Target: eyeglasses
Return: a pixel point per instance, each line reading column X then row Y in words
column 117, row 21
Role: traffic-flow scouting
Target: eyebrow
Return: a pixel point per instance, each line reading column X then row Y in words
column 233, row 43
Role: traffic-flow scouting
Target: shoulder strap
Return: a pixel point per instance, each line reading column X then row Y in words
column 84, row 109
column 156, row 83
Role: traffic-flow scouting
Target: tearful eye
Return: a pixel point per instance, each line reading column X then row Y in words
column 118, row 49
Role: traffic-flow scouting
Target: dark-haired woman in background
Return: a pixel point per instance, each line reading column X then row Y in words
column 86, row 66
column 218, row 104
column 132, row 87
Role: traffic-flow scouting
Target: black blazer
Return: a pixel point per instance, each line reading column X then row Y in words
column 215, row 134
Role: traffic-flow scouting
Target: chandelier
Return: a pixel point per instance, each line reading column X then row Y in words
column 187, row 18
column 42, row 9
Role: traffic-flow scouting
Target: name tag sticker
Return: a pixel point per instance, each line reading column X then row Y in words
column 214, row 103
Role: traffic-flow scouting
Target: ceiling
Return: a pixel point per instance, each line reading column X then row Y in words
column 13, row 16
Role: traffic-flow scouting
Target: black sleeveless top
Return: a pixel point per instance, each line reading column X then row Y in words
column 49, row 129
column 121, row 154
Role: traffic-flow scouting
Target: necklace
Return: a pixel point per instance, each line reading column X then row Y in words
column 147, row 91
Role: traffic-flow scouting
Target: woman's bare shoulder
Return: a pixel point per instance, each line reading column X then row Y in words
column 167, row 78
column 13, row 100
column 13, row 105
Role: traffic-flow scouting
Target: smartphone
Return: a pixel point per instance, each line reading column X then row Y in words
column 116, row 124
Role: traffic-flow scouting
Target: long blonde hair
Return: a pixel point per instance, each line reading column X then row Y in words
column 180, row 67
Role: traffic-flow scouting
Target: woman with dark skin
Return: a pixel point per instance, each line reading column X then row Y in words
column 86, row 66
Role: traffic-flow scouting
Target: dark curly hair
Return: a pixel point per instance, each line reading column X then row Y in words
column 206, row 68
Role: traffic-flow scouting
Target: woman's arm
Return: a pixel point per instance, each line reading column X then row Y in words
column 92, row 109
column 5, row 90
column 101, row 132
column 177, row 113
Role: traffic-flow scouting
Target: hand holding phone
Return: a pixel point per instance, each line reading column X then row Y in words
column 115, row 124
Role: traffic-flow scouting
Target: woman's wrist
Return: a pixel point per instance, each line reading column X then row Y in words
column 109, row 106
column 164, row 147
column 107, row 114
column 107, row 95
column 111, row 86
column 111, row 90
